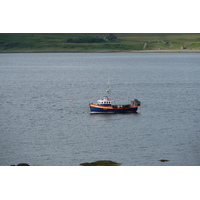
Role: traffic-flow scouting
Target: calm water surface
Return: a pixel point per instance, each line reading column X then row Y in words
column 40, row 126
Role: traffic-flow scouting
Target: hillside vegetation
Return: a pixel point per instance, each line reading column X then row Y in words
column 98, row 41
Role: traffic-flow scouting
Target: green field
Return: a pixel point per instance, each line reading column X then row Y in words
column 124, row 41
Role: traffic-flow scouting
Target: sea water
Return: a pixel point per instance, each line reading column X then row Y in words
column 45, row 118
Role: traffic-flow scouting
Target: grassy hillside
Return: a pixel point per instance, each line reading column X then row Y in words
column 125, row 41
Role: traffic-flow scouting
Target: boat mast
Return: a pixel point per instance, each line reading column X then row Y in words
column 108, row 89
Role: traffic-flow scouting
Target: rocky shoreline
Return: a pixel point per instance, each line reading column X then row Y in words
column 103, row 51
column 96, row 163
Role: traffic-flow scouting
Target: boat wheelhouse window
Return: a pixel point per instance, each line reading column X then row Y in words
column 104, row 102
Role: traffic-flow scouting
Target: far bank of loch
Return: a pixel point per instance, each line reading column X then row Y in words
column 103, row 51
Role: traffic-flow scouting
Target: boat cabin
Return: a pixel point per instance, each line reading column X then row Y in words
column 104, row 102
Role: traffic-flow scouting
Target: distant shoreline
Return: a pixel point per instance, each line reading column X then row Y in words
column 102, row 51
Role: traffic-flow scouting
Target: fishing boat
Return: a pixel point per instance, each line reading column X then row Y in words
column 105, row 106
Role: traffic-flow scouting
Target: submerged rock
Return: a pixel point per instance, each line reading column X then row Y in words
column 101, row 163
column 162, row 160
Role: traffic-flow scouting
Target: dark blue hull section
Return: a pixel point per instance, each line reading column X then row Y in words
column 104, row 110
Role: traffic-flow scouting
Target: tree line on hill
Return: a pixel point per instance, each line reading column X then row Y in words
column 110, row 38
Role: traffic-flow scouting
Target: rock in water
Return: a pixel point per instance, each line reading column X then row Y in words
column 23, row 164
column 162, row 160
column 101, row 163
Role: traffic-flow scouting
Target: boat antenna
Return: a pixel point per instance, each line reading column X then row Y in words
column 108, row 89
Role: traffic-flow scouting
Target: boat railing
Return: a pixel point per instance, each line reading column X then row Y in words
column 121, row 106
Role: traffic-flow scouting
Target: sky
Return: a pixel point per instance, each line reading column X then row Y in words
column 116, row 16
